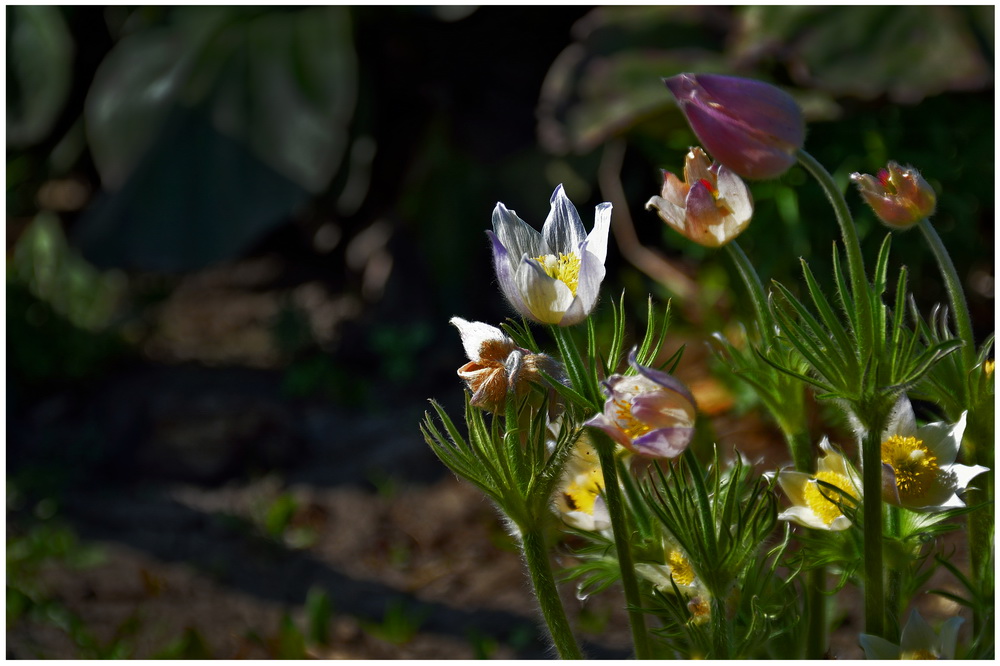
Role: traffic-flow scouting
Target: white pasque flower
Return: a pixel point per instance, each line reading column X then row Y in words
column 919, row 471
column 552, row 277
column 580, row 496
column 817, row 506
column 918, row 641
column 497, row 365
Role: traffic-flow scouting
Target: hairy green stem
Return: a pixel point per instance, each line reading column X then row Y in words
column 871, row 482
column 956, row 295
column 754, row 287
column 977, row 452
column 536, row 556
column 721, row 630
column 619, row 526
column 816, row 639
column 893, row 600
column 855, row 262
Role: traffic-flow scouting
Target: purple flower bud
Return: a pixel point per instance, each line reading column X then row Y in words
column 750, row 127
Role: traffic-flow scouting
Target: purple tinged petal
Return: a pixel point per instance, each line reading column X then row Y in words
column 588, row 286
column 662, row 378
column 504, row 268
column 602, row 422
column 663, row 442
column 749, row 126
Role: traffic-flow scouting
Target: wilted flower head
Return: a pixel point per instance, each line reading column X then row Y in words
column 918, row 641
column 580, row 498
column 751, row 127
column 497, row 365
column 711, row 206
column 817, row 506
column 918, row 464
column 899, row 196
column 650, row 413
column 552, row 277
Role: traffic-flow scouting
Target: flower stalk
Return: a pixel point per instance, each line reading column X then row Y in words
column 616, row 510
column 543, row 582
column 871, row 480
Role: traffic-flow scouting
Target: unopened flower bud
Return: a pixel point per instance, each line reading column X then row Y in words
column 899, row 196
column 750, row 127
column 711, row 206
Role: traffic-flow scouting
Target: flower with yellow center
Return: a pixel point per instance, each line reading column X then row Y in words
column 675, row 571
column 918, row 641
column 649, row 413
column 552, row 277
column 918, row 464
column 820, row 506
column 579, row 498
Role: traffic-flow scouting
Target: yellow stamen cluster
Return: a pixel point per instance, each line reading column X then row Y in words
column 582, row 492
column 565, row 269
column 680, row 569
column 915, row 466
column 918, row 654
column 632, row 426
column 700, row 609
column 816, row 495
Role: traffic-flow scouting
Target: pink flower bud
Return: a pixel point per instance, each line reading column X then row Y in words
column 899, row 196
column 711, row 206
column 750, row 127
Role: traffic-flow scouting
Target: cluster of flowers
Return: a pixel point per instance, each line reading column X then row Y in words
column 553, row 277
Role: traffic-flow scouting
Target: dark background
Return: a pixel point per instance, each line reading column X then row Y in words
column 235, row 237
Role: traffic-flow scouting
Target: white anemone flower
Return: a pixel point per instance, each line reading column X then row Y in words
column 918, row 641
column 918, row 464
column 552, row 277
column 817, row 506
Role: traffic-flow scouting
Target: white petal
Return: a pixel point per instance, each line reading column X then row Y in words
column 878, row 648
column 545, row 297
column 475, row 333
column 597, row 239
column 804, row 516
column 674, row 215
column 965, row 473
column 917, row 635
column 901, row 421
column 943, row 439
column 949, row 635
column 563, row 230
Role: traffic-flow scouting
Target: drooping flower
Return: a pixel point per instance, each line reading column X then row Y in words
column 919, row 471
column 676, row 572
column 552, row 277
column 497, row 365
column 815, row 505
column 711, row 206
column 650, row 413
column 899, row 196
column 580, row 496
column 751, row 127
column 918, row 641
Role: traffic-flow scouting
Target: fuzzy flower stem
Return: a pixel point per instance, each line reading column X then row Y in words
column 959, row 308
column 536, row 556
column 978, row 452
column 871, row 482
column 616, row 512
column 816, row 613
column 754, row 287
column 721, row 630
column 855, row 262
column 893, row 606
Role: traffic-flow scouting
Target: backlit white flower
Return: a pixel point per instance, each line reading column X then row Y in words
column 918, row 464
column 918, row 641
column 552, row 277
column 817, row 506
column 580, row 497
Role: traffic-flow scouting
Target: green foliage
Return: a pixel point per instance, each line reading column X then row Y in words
column 400, row 623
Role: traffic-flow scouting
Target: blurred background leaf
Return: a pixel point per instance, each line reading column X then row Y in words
column 39, row 59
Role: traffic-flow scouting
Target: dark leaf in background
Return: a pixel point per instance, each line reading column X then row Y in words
column 212, row 128
column 906, row 53
column 39, row 65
